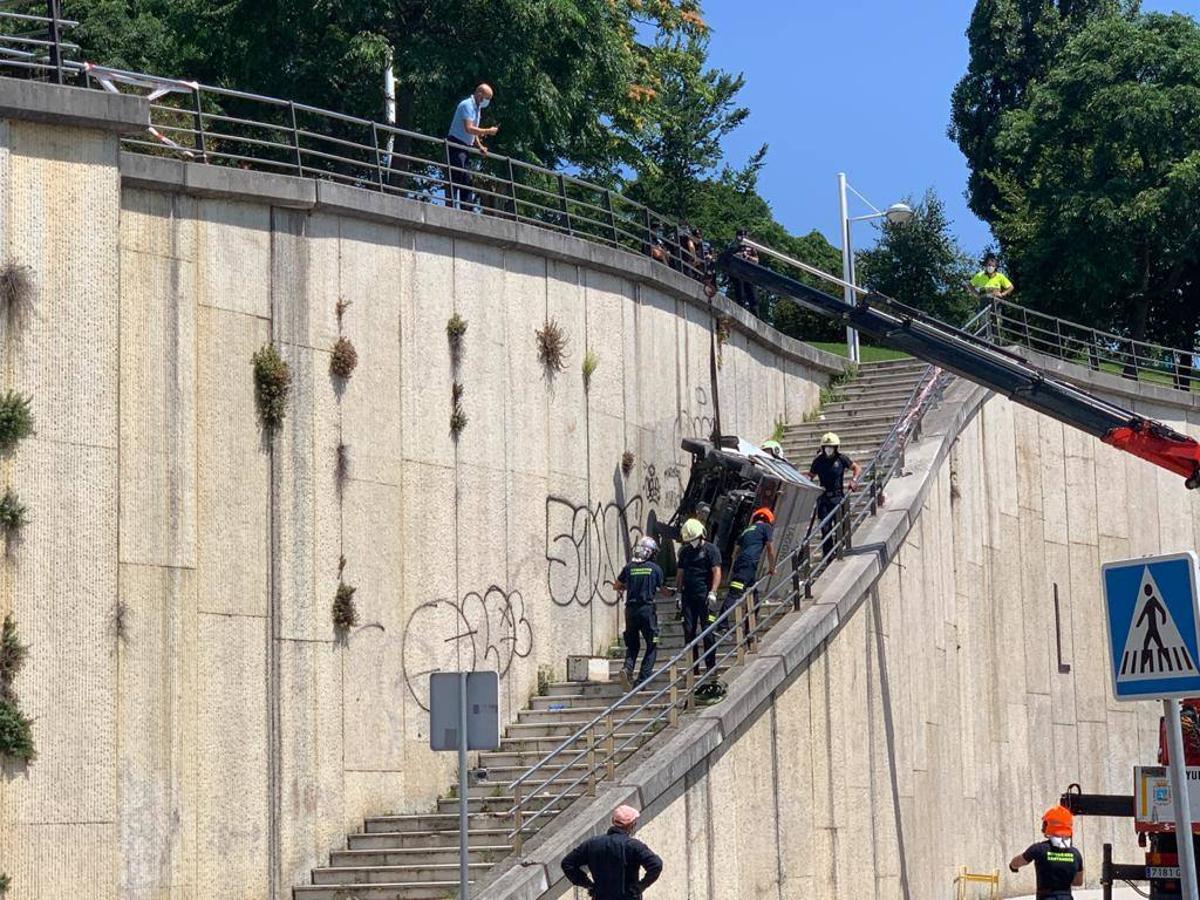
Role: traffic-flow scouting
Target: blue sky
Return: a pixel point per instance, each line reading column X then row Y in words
column 860, row 86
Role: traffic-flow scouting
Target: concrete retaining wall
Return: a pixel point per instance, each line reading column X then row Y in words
column 201, row 730
column 918, row 717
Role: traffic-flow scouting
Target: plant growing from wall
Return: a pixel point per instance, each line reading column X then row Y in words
column 456, row 331
column 778, row 431
column 590, row 361
column 13, row 514
column 272, row 383
column 120, row 621
column 16, row 419
column 16, row 291
column 627, row 460
column 16, row 731
column 343, row 359
column 458, row 417
column 345, row 613
column 340, row 309
column 5, row 883
column 552, row 346
column 342, row 470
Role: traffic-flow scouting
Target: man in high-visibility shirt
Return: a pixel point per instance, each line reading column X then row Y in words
column 989, row 282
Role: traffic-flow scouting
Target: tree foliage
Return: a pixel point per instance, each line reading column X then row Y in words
column 1102, row 190
column 920, row 263
column 1013, row 43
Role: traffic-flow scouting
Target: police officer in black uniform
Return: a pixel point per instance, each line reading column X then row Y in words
column 1058, row 865
column 829, row 468
column 640, row 580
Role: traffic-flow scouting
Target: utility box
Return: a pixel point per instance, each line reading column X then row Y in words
column 587, row 668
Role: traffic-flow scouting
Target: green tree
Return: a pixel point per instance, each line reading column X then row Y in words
column 693, row 109
column 920, row 263
column 1104, row 180
column 573, row 80
column 1013, row 43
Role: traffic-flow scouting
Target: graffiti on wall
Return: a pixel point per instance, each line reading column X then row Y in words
column 486, row 630
column 586, row 547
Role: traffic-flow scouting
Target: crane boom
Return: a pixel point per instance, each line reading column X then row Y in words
column 974, row 359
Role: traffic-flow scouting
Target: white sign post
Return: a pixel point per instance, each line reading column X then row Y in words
column 464, row 714
column 1153, row 619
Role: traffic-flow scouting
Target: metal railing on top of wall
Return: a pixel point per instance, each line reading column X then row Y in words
column 205, row 124
column 1091, row 347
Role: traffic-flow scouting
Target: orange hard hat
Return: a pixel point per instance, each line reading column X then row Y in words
column 763, row 513
column 1058, row 822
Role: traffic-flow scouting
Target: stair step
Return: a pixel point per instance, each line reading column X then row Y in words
column 427, row 841
column 430, row 890
column 436, row 822
column 499, row 804
column 577, row 714
column 447, row 855
column 421, row 874
column 526, row 760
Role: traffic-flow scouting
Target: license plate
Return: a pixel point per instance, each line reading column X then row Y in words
column 1162, row 872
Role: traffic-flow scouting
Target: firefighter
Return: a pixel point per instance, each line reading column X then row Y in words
column 774, row 448
column 697, row 580
column 1058, row 865
column 640, row 581
column 752, row 543
column 829, row 468
column 614, row 861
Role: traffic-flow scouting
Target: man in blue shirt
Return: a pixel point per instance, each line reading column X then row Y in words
column 641, row 581
column 465, row 133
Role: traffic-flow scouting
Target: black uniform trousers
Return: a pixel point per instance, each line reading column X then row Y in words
column 641, row 624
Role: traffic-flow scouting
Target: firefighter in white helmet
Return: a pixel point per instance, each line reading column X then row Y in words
column 829, row 468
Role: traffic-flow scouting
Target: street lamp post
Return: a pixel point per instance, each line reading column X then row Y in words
column 897, row 214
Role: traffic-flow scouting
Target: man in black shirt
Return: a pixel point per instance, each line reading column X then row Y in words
column 697, row 580
column 614, row 860
column 640, row 581
column 1058, row 865
column 829, row 468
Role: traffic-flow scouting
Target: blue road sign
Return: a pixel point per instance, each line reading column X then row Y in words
column 1153, row 626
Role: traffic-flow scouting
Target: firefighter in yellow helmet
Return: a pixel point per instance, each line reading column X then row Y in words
column 829, row 468
column 697, row 580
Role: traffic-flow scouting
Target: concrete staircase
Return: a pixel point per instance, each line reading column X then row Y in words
column 415, row 856
column 861, row 412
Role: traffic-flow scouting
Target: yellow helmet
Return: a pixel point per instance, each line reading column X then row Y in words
column 829, row 439
column 693, row 529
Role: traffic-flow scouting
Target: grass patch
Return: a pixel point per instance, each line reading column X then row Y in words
column 552, row 344
column 16, row 419
column 345, row 612
column 867, row 353
column 344, row 359
column 272, row 383
column 16, row 291
column 16, row 729
column 456, row 331
column 627, row 460
column 778, row 431
column 13, row 514
column 591, row 360
column 458, row 416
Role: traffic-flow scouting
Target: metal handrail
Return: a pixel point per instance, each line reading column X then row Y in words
column 206, row 124
column 534, row 800
column 1096, row 349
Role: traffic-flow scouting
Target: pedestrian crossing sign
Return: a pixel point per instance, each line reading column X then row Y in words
column 1153, row 626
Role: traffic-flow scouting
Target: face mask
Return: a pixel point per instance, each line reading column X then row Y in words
column 990, row 269
column 483, row 104
column 694, row 544
column 829, row 451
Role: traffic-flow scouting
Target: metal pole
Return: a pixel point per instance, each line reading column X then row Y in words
column 464, row 889
column 1183, row 807
column 847, row 267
